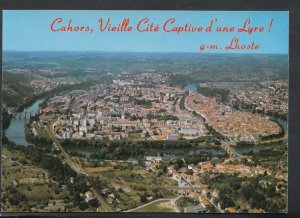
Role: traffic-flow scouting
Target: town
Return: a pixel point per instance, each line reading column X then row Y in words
column 155, row 140
column 128, row 109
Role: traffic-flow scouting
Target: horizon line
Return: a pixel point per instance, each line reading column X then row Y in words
column 189, row 52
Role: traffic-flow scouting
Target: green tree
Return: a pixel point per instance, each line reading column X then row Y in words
column 143, row 199
column 165, row 168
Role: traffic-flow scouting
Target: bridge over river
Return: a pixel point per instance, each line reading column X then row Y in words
column 230, row 151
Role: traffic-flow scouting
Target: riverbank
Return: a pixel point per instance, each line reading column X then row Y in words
column 255, row 148
column 16, row 130
column 165, row 153
column 62, row 88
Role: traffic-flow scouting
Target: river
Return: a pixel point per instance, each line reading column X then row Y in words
column 16, row 130
column 192, row 151
column 255, row 148
column 191, row 87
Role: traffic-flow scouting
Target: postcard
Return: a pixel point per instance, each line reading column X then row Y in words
column 145, row 111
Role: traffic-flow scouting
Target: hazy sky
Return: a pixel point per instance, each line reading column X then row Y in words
column 30, row 31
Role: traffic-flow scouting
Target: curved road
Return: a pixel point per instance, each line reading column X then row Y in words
column 172, row 200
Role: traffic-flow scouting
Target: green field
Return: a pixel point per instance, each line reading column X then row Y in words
column 163, row 206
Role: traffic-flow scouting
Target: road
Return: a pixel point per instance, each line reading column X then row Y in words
column 104, row 207
column 172, row 200
column 204, row 196
column 65, row 155
column 173, row 203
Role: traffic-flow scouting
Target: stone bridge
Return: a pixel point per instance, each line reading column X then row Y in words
column 230, row 151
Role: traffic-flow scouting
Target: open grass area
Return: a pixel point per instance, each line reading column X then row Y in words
column 98, row 169
column 163, row 206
